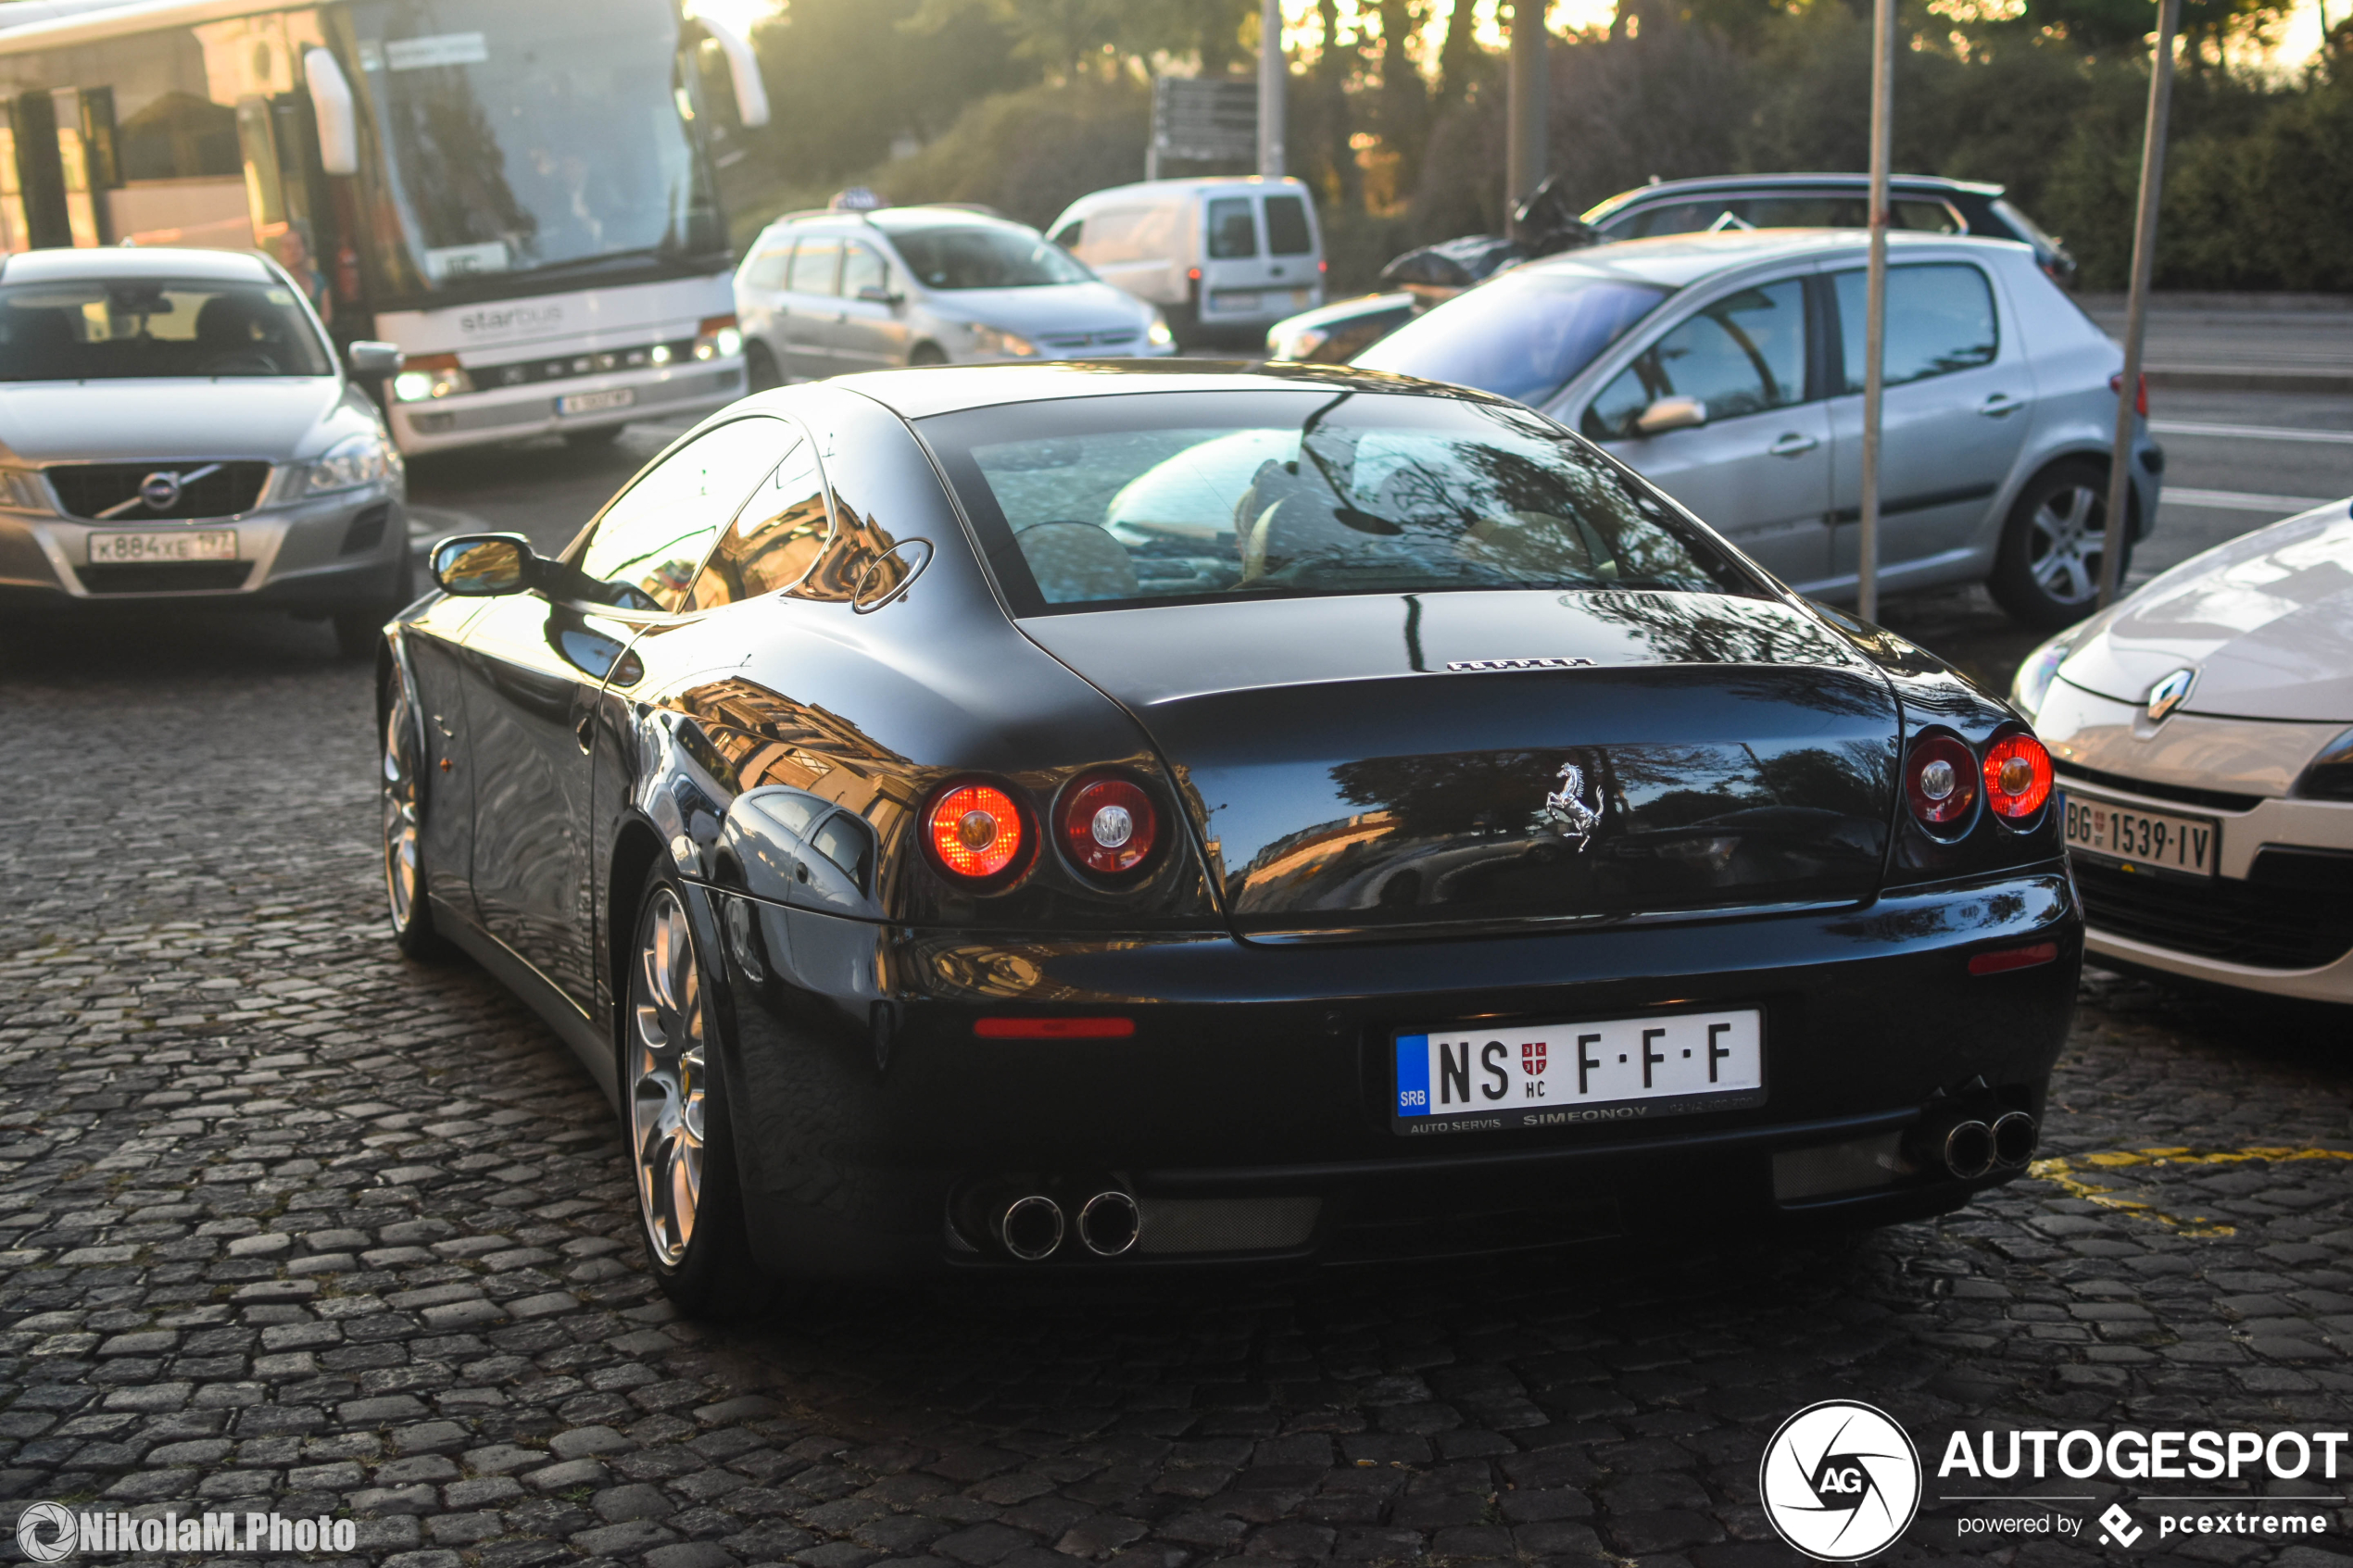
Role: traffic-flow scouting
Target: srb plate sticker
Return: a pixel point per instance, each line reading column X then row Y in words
column 1568, row 1074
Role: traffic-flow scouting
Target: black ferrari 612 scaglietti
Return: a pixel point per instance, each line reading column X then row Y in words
column 1095, row 817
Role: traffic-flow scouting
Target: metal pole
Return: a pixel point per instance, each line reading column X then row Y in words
column 1525, row 115
column 2120, row 461
column 1875, row 303
column 1273, row 77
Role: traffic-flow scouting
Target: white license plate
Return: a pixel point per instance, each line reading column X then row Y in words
column 1238, row 301
column 1467, row 1079
column 1299, row 298
column 597, row 402
column 2127, row 835
column 199, row 543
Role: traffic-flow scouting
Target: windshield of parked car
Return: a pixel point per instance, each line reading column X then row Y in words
column 985, row 255
column 1090, row 503
column 104, row 330
column 1523, row 335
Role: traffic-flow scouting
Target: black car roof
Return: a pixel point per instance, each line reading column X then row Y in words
column 947, row 389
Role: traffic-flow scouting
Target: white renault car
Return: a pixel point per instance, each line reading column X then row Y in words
column 2202, row 731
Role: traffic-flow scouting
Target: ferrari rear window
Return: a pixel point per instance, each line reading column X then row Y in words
column 1097, row 502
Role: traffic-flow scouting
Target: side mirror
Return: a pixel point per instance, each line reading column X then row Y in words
column 367, row 359
column 875, row 293
column 1671, row 413
column 483, row 565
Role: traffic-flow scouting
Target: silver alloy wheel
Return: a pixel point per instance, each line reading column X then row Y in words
column 401, row 791
column 666, row 1085
column 2066, row 540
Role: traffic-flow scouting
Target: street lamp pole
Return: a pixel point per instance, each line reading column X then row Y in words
column 1875, row 304
column 1525, row 115
column 2128, row 389
column 1272, row 81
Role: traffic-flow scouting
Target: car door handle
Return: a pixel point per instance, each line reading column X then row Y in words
column 1793, row 445
column 585, row 731
column 1999, row 404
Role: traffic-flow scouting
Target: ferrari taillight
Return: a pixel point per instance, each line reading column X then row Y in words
column 1107, row 825
column 974, row 831
column 1940, row 781
column 2018, row 777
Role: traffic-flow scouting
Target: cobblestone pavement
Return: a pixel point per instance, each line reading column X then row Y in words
column 293, row 1225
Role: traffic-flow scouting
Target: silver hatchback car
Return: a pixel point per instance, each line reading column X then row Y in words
column 174, row 426
column 1727, row 368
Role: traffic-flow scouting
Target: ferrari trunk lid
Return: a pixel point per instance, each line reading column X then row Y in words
column 1359, row 764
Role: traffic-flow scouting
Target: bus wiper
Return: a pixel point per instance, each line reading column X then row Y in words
column 636, row 258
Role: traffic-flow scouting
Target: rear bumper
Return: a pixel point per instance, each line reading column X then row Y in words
column 1247, row 1114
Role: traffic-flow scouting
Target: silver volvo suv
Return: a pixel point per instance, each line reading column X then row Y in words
column 174, row 425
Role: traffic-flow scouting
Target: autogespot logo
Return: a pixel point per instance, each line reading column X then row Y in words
column 1840, row 1481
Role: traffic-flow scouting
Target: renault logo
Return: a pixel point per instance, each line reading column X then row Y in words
column 2170, row 693
column 160, row 490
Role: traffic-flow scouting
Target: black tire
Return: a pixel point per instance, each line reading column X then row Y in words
column 404, row 795
column 602, row 435
column 927, row 353
column 682, row 1147
column 2046, row 569
column 760, row 373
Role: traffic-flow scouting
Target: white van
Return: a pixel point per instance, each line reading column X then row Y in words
column 1209, row 252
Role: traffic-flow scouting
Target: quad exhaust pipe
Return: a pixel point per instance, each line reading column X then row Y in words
column 1032, row 1227
column 1967, row 1145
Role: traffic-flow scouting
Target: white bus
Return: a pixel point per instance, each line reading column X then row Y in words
column 519, row 194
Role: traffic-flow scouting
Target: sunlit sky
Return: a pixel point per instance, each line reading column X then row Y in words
column 2298, row 41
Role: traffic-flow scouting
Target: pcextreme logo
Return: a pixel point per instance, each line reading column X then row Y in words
column 1840, row 1481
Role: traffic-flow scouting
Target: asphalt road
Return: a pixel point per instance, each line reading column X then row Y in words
column 288, row 1223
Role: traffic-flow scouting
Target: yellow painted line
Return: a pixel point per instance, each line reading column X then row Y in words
column 2063, row 1173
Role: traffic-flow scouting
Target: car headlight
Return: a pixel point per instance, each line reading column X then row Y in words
column 990, row 340
column 426, row 376
column 1158, row 334
column 1301, row 345
column 22, row 490
column 718, row 337
column 350, row 463
column 2032, row 683
column 2331, row 775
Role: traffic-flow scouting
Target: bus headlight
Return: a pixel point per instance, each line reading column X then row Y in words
column 350, row 463
column 425, row 376
column 718, row 338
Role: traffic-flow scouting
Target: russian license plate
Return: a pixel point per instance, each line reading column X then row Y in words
column 198, row 543
column 2164, row 841
column 597, row 402
column 1237, row 299
column 1297, row 297
column 1563, row 1074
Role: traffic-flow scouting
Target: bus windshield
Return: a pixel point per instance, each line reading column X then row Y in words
column 530, row 135
column 117, row 328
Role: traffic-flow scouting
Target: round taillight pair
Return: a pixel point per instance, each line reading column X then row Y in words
column 974, row 829
column 1941, row 778
column 1107, row 823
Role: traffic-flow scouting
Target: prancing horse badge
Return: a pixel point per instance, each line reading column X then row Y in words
column 1566, row 811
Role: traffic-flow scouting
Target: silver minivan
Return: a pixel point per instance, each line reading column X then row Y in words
column 1210, row 252
column 826, row 293
column 1727, row 368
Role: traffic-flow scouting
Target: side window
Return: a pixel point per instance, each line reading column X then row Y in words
column 1068, row 236
column 645, row 549
column 1233, row 228
column 775, row 538
column 1940, row 320
column 1808, row 212
column 850, row 845
column 1743, row 355
column 1678, row 217
column 814, row 265
column 1928, row 217
column 1287, row 230
column 767, row 268
column 862, row 269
